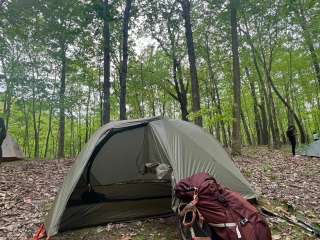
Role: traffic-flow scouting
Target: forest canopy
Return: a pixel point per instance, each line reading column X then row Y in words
column 67, row 67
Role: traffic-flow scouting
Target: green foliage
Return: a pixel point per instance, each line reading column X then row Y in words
column 33, row 34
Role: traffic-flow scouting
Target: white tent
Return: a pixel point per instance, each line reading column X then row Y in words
column 11, row 150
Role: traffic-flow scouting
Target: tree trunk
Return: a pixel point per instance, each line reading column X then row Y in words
column 229, row 134
column 276, row 136
column 257, row 119
column 180, row 89
column 106, row 64
column 183, row 94
column 61, row 100
column 236, row 138
column 179, row 86
column 309, row 42
column 219, row 109
column 72, row 138
column 36, row 131
column 8, row 96
column 49, row 131
column 34, row 117
column 303, row 137
column 79, row 129
column 246, row 128
column 8, row 104
column 54, row 150
column 87, row 115
column 124, row 62
column 215, row 94
column 153, row 108
column 265, row 105
column 141, row 104
column 26, row 142
column 289, row 90
column 192, row 61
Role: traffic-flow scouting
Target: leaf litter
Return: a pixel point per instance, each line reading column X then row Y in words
column 28, row 188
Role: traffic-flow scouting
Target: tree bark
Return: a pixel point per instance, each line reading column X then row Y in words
column 141, row 102
column 276, row 136
column 183, row 93
column 289, row 89
column 61, row 100
column 49, row 131
column 257, row 118
column 272, row 114
column 215, row 93
column 179, row 86
column 106, row 64
column 124, row 62
column 192, row 61
column 309, row 42
column 265, row 104
column 236, row 138
column 26, row 142
column 34, row 121
column 246, row 128
column 87, row 115
column 36, row 130
column 303, row 137
column 72, row 138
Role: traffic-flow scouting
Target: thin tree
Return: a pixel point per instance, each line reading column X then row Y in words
column 106, row 64
column 186, row 8
column 236, row 138
column 62, row 90
column 299, row 11
column 124, row 62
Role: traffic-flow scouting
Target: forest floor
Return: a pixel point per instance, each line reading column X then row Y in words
column 28, row 188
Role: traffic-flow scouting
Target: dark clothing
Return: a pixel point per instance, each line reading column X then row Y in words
column 293, row 145
column 2, row 134
column 291, row 134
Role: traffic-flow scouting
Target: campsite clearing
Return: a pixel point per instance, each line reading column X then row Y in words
column 29, row 187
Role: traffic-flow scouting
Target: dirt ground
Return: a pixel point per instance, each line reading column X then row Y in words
column 28, row 188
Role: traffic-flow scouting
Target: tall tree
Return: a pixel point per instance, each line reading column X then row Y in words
column 257, row 118
column 63, row 49
column 64, row 21
column 236, row 138
column 124, row 61
column 298, row 8
column 106, row 63
column 163, row 21
column 186, row 13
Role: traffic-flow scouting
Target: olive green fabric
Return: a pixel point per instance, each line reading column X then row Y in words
column 119, row 152
column 124, row 202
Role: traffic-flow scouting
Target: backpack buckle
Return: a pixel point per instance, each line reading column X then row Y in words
column 244, row 221
column 221, row 198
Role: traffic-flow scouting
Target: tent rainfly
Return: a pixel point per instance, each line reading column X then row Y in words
column 11, row 150
column 115, row 163
column 311, row 150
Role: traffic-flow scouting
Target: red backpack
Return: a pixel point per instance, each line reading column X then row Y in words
column 231, row 216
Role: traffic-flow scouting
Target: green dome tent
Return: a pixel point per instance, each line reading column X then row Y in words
column 311, row 150
column 115, row 163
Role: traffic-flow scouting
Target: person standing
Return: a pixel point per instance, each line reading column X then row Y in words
column 291, row 134
column 3, row 134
